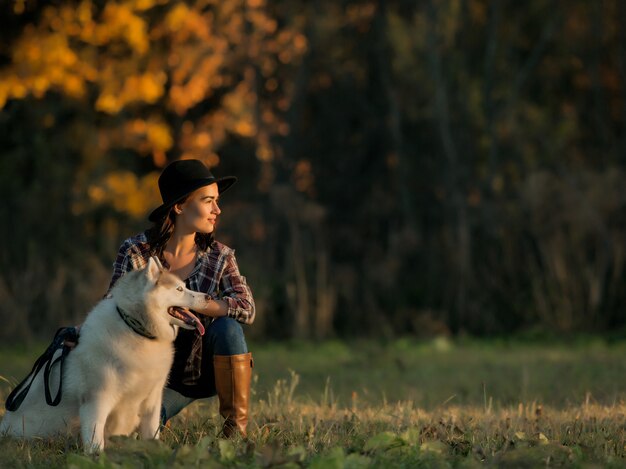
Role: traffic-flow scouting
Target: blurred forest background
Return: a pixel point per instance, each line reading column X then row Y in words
column 405, row 167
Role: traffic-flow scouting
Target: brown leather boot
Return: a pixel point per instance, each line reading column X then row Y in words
column 232, row 382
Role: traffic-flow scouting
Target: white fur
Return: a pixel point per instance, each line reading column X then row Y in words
column 114, row 378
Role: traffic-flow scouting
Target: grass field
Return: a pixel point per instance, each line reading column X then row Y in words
column 397, row 404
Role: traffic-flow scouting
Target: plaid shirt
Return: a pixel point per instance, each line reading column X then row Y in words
column 216, row 273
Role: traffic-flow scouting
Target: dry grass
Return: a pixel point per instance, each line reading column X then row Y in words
column 290, row 428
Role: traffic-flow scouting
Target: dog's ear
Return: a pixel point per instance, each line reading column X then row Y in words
column 158, row 262
column 154, row 269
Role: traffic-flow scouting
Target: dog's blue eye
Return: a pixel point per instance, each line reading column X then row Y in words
column 180, row 289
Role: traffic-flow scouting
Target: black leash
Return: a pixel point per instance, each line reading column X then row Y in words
column 18, row 394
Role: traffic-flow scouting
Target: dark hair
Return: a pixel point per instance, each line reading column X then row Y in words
column 161, row 232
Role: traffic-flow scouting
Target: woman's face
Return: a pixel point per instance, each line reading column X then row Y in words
column 200, row 211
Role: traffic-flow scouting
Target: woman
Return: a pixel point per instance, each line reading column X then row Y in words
column 182, row 237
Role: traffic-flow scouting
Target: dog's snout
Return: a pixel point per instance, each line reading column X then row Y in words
column 207, row 297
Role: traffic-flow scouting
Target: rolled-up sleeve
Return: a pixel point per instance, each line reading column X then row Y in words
column 236, row 292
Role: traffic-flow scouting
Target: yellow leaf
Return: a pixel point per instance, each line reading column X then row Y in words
column 140, row 5
column 119, row 21
column 159, row 137
column 83, row 11
column 175, row 19
column 74, row 86
column 107, row 102
column 245, row 128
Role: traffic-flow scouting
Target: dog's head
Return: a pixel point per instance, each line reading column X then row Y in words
column 164, row 291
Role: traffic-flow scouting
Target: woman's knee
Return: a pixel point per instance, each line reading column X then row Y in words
column 227, row 337
column 227, row 327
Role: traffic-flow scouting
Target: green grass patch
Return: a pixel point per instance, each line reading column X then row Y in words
column 430, row 373
column 399, row 404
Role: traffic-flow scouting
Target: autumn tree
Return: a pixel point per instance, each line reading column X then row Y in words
column 416, row 168
column 121, row 88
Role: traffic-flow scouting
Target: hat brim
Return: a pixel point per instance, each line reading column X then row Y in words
column 223, row 184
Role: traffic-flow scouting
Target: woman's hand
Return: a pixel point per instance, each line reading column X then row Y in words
column 214, row 309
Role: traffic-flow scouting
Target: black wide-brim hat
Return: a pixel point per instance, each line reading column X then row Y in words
column 180, row 178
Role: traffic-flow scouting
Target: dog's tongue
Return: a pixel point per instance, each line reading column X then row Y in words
column 188, row 317
column 196, row 322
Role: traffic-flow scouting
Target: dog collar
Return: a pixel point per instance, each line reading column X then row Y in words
column 134, row 324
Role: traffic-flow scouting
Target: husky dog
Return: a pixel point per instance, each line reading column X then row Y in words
column 113, row 379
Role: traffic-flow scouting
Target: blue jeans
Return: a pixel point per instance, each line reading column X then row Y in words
column 224, row 336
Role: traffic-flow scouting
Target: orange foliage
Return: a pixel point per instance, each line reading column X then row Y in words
column 125, row 192
column 140, row 64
